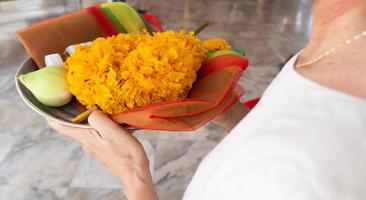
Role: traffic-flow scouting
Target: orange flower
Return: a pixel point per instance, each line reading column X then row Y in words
column 214, row 44
column 132, row 70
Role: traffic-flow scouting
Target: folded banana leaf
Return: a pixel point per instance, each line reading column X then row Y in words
column 56, row 34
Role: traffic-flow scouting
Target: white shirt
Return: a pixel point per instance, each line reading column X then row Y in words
column 303, row 141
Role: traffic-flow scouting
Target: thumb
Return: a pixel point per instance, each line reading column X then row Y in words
column 106, row 126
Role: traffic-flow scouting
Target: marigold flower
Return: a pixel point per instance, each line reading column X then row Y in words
column 214, row 44
column 132, row 70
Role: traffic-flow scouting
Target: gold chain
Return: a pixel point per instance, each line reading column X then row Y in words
column 334, row 49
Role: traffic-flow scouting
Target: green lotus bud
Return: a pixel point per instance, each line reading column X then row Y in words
column 48, row 85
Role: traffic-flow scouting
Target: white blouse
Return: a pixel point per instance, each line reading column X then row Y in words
column 303, row 141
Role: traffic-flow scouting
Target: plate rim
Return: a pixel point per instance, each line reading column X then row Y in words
column 35, row 108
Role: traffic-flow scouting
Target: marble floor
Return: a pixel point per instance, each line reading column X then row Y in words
column 37, row 163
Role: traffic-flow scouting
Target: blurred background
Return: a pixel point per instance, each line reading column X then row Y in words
column 37, row 163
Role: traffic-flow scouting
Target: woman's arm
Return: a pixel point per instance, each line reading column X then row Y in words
column 119, row 150
column 123, row 154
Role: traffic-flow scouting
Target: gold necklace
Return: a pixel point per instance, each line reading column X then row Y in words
column 334, row 49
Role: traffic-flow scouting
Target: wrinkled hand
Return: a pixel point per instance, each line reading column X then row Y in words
column 116, row 148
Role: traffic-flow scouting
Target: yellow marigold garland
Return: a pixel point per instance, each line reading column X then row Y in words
column 214, row 44
column 132, row 70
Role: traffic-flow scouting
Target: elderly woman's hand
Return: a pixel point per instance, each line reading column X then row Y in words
column 118, row 149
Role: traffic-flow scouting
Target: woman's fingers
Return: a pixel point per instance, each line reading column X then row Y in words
column 75, row 133
column 106, row 126
column 88, row 136
column 87, row 149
